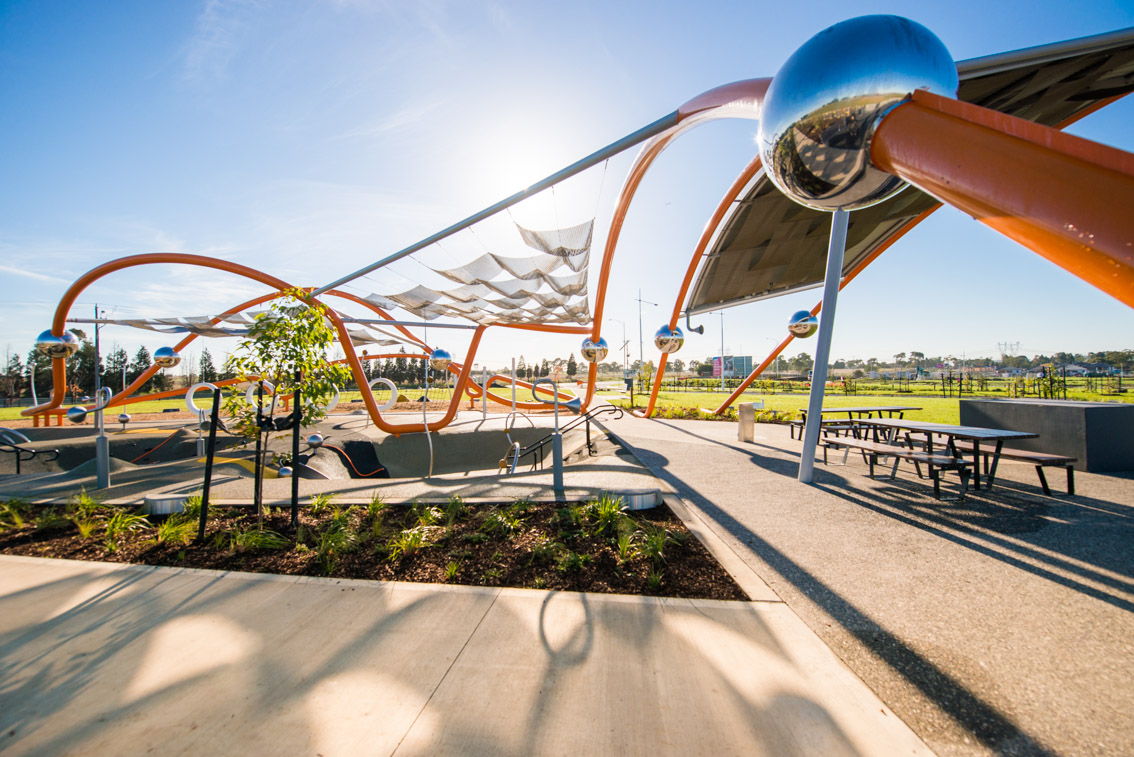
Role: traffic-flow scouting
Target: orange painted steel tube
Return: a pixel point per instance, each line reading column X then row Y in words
column 1061, row 196
column 738, row 99
column 874, row 255
column 694, row 261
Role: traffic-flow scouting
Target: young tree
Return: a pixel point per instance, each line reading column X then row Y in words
column 12, row 381
column 572, row 366
column 291, row 336
column 115, row 364
column 545, row 369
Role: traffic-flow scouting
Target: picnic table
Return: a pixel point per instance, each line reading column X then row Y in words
column 852, row 414
column 972, row 435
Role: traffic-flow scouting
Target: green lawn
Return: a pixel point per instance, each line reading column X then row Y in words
column 934, row 409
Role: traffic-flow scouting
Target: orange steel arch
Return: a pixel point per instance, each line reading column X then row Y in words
column 737, row 187
column 763, row 366
column 1061, row 196
column 740, row 99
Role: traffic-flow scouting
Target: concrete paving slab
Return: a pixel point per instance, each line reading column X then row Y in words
column 108, row 660
column 1000, row 625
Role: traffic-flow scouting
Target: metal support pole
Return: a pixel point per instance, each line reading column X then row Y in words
column 722, row 351
column 484, row 393
column 102, row 444
column 297, row 415
column 513, row 385
column 835, row 249
column 210, row 453
column 259, row 435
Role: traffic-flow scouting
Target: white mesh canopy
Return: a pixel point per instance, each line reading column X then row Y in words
column 236, row 325
column 548, row 287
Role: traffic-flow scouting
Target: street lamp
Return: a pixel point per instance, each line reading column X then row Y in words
column 625, row 344
column 641, row 353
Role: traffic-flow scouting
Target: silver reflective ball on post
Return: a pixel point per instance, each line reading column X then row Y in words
column 802, row 324
column 57, row 346
column 822, row 107
column 315, row 441
column 669, row 340
column 594, row 351
column 166, row 357
column 284, row 472
column 439, row 359
column 76, row 414
column 124, row 418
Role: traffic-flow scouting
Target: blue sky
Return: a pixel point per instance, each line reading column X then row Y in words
column 310, row 139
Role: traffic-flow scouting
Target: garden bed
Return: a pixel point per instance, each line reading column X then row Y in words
column 592, row 546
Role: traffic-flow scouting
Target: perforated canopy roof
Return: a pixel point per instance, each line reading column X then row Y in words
column 770, row 246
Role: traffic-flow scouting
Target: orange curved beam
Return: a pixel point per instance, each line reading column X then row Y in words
column 730, row 196
column 740, row 99
column 873, row 256
column 72, row 293
column 1061, row 196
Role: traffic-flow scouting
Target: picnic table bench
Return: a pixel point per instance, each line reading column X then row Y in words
column 838, row 424
column 935, row 462
column 1039, row 459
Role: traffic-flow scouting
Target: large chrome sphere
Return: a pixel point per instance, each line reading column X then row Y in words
column 802, row 324
column 166, row 357
column 123, row 418
column 315, row 441
column 669, row 340
column 823, row 105
column 594, row 351
column 57, row 346
column 76, row 414
column 284, row 472
column 439, row 359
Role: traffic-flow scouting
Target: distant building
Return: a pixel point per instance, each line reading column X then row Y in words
column 735, row 366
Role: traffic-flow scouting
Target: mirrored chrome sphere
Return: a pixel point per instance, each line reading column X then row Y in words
column 823, row 105
column 76, row 414
column 284, row 472
column 166, row 357
column 594, row 351
column 124, row 418
column 439, row 360
column 315, row 441
column 802, row 324
column 57, row 346
column 669, row 340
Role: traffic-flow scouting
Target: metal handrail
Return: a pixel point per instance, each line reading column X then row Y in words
column 538, row 446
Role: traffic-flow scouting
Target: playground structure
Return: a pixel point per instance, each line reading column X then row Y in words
column 870, row 122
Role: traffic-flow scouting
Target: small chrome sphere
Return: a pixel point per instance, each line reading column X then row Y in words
column 594, row 351
column 439, row 359
column 284, row 472
column 315, row 441
column 166, row 357
column 669, row 340
column 124, row 418
column 822, row 107
column 76, row 414
column 802, row 324
column 57, row 346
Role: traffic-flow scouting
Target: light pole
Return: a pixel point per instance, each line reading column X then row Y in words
column 641, row 351
column 625, row 351
column 722, row 351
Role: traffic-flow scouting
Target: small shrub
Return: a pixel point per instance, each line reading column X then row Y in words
column 321, row 502
column 502, row 522
column 123, row 522
column 653, row 545
column 455, row 509
column 86, row 506
column 86, row 528
column 250, row 540
column 13, row 514
column 492, row 574
column 451, row 570
column 407, row 542
column 626, row 547
column 332, row 544
column 50, row 518
column 571, row 562
column 376, row 506
column 176, row 529
column 607, row 512
column 192, row 507
column 654, row 579
column 476, row 537
column 426, row 516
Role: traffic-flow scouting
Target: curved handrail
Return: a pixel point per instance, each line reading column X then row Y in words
column 540, row 444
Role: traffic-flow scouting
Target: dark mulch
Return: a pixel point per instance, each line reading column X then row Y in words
column 542, row 546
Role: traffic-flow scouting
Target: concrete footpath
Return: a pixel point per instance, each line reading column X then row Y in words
column 99, row 659
column 1003, row 624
